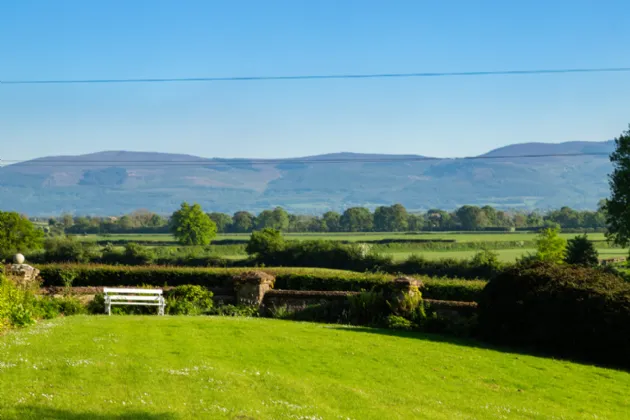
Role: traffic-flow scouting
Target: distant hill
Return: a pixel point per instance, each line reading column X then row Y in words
column 114, row 182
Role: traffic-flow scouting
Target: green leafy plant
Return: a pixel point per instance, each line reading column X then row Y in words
column 188, row 300
column 581, row 251
column 550, row 246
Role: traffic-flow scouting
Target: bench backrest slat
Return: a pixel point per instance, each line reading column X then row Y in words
column 108, row 290
column 137, row 298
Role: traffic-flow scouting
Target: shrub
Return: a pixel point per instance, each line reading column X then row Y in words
column 235, row 310
column 396, row 322
column 481, row 266
column 265, row 244
column 581, row 251
column 66, row 249
column 48, row 307
column 188, row 300
column 550, row 246
column 15, row 305
column 567, row 310
column 367, row 308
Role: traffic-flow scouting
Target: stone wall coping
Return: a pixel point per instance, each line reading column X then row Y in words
column 253, row 277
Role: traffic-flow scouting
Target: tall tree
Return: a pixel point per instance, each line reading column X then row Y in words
column 356, row 219
column 491, row 216
column 191, row 226
column 277, row 219
column 618, row 205
column 391, row 219
column 242, row 222
column 222, row 220
column 331, row 220
column 415, row 222
column 18, row 234
column 471, row 217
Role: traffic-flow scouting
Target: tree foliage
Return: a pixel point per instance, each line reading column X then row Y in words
column 581, row 251
column 391, row 218
column 265, row 243
column 191, row 226
column 277, row 219
column 550, row 246
column 356, row 219
column 242, row 222
column 18, row 234
column 617, row 207
column 222, row 220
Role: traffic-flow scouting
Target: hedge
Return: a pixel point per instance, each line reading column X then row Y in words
column 561, row 309
column 316, row 279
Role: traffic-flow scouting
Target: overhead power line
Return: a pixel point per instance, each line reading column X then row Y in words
column 305, row 161
column 317, row 77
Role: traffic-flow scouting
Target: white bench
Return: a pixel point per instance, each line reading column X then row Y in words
column 144, row 297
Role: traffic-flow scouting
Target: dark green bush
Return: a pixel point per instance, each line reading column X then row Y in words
column 565, row 310
column 235, row 310
column 396, row 322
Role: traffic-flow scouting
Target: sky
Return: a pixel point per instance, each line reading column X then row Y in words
column 443, row 117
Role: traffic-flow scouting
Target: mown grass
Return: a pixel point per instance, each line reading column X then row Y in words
column 226, row 368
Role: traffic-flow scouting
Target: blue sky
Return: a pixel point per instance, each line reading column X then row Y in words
column 449, row 116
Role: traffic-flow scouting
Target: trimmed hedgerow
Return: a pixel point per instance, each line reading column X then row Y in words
column 286, row 278
column 560, row 309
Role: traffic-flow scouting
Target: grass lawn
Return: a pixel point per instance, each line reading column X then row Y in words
column 228, row 368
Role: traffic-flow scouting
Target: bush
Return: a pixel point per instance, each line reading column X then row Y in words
column 188, row 300
column 16, row 305
column 581, row 251
column 66, row 249
column 482, row 265
column 566, row 310
column 396, row 322
column 367, row 308
column 48, row 307
column 235, row 310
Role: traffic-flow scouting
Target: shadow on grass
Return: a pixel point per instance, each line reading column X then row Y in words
column 46, row 413
column 477, row 343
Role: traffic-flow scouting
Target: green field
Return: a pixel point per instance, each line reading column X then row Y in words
column 397, row 251
column 137, row 367
column 505, row 255
column 355, row 237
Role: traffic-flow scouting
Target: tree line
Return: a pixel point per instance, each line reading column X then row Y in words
column 393, row 218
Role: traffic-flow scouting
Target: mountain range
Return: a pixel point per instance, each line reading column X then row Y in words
column 115, row 182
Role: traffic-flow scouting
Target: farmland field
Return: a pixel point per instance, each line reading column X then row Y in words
column 505, row 255
column 211, row 367
column 354, row 237
column 509, row 246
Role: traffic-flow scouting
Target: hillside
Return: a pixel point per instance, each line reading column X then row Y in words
column 113, row 182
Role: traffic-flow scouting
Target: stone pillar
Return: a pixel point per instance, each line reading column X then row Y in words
column 400, row 289
column 251, row 286
column 23, row 274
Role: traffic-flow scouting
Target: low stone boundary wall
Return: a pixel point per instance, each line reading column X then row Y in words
column 255, row 288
